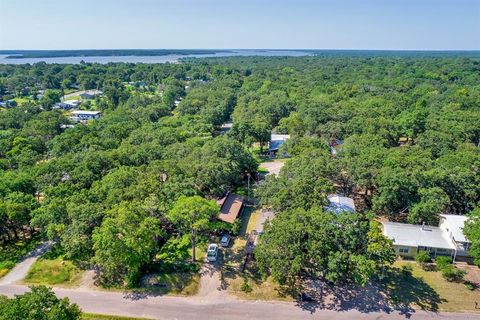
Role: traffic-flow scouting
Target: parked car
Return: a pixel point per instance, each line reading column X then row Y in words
column 212, row 252
column 225, row 241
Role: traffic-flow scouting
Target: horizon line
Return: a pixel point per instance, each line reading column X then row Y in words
column 250, row 49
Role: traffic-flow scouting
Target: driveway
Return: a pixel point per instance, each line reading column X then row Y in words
column 21, row 269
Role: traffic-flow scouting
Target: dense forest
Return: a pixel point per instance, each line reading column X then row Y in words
column 109, row 192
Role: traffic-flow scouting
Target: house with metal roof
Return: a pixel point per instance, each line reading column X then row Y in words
column 445, row 240
column 340, row 204
column 82, row 115
column 276, row 141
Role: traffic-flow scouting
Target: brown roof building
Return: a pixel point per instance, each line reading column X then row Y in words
column 230, row 207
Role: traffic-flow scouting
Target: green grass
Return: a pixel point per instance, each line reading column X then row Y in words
column 13, row 252
column 52, row 269
column 21, row 100
column 450, row 296
column 177, row 283
column 92, row 316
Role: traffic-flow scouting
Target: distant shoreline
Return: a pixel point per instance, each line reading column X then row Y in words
column 35, row 54
column 38, row 54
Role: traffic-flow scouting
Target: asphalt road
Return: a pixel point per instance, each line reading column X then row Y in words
column 173, row 308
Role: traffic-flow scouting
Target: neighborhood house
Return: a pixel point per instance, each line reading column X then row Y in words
column 276, row 141
column 340, row 204
column 90, row 94
column 445, row 240
column 81, row 115
column 230, row 207
column 67, row 104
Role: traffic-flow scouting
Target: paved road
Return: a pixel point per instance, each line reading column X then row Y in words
column 212, row 302
column 172, row 308
column 21, row 269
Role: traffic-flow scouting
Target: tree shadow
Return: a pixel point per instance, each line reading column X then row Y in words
column 396, row 292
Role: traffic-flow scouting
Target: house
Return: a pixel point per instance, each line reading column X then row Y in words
column 453, row 224
column 276, row 141
column 8, row 104
column 67, row 104
column 230, row 207
column 445, row 240
column 340, row 204
column 81, row 115
column 90, row 94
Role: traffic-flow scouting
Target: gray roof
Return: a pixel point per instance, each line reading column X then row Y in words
column 412, row 235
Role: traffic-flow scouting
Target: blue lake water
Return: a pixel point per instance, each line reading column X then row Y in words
column 156, row 59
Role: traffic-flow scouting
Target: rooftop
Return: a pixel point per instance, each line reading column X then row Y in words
column 412, row 235
column 93, row 113
column 455, row 226
column 340, row 204
column 231, row 206
column 277, row 140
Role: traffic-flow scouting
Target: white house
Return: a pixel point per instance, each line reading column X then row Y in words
column 81, row 115
column 340, row 204
column 67, row 104
column 453, row 224
column 445, row 240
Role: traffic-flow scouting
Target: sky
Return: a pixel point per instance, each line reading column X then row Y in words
column 240, row 24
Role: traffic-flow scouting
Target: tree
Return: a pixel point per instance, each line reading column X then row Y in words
column 193, row 215
column 124, row 242
column 343, row 247
column 50, row 98
column 38, row 304
column 472, row 232
column 433, row 201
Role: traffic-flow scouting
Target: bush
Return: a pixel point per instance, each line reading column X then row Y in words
column 450, row 273
column 246, row 286
column 470, row 285
column 443, row 262
column 407, row 270
column 422, row 258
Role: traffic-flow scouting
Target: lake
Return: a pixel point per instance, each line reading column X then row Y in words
column 155, row 59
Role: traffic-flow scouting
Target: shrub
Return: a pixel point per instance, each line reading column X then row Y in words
column 450, row 273
column 407, row 270
column 470, row 285
column 246, row 286
column 443, row 262
column 422, row 258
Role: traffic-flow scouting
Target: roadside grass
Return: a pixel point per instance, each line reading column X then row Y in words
column 12, row 253
column 94, row 316
column 175, row 283
column 53, row 269
column 452, row 296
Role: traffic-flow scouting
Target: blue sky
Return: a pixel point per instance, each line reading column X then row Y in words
column 322, row 24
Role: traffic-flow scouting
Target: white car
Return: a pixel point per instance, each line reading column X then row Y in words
column 212, row 252
column 225, row 241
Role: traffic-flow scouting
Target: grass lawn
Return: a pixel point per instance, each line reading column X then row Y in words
column 91, row 316
column 52, row 269
column 452, row 296
column 13, row 252
column 21, row 100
